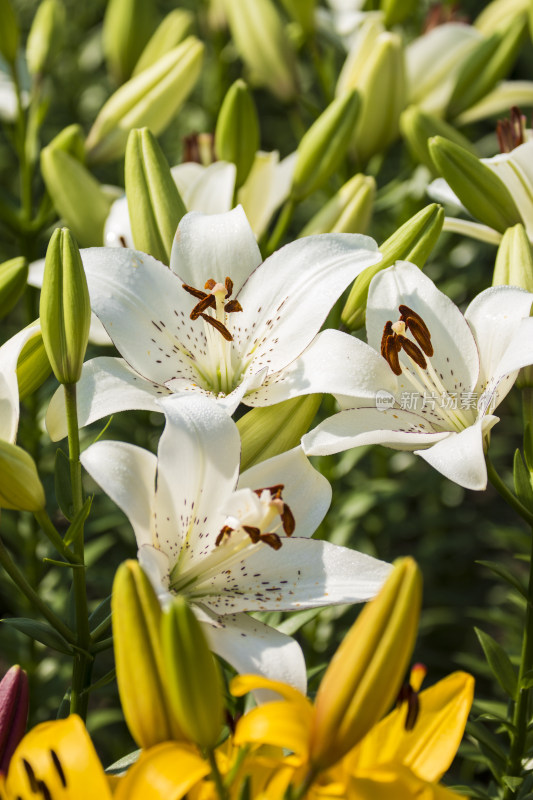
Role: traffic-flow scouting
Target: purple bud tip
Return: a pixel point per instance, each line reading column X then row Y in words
column 13, row 713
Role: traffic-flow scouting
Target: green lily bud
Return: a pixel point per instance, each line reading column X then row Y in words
column 270, row 430
column 496, row 15
column 20, row 486
column 490, row 61
column 33, row 366
column 154, row 203
column 169, row 34
column 514, row 260
column 324, row 145
column 45, row 36
column 477, row 187
column 77, row 196
column 237, row 131
column 417, row 126
column 65, row 308
column 193, row 678
column 413, row 242
column 396, row 11
column 302, row 12
column 9, row 32
column 348, row 211
column 366, row 673
column 150, row 99
column 128, row 25
column 72, row 141
column 263, row 45
column 136, row 616
column 13, row 277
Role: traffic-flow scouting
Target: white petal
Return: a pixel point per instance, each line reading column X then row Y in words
column 107, row 386
column 516, row 171
column 455, row 356
column 460, row 456
column 209, row 189
column 265, row 188
column 287, row 299
column 334, row 363
column 229, row 402
column 9, row 390
column 36, row 273
column 303, row 573
column 127, row 474
column 156, row 565
column 117, row 228
column 519, row 353
column 254, row 648
column 214, row 246
column 198, row 466
column 306, row 491
column 392, row 427
column 441, row 192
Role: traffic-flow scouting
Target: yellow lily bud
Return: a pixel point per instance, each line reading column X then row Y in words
column 45, row 36
column 33, row 366
column 193, row 681
column 78, row 197
column 9, row 32
column 128, row 25
column 150, row 99
column 477, row 187
column 348, row 211
column 169, row 34
column 413, row 242
column 324, row 145
column 263, row 45
column 13, row 277
column 417, row 126
column 237, row 131
column 514, row 260
column 270, row 430
column 65, row 309
column 20, row 486
column 366, row 672
column 154, row 203
column 136, row 615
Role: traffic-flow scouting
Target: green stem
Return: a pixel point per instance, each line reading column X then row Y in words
column 282, row 224
column 82, row 667
column 217, row 777
column 49, row 529
column 507, row 494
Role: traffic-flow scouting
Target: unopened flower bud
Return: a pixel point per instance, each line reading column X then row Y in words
column 150, row 99
column 13, row 713
column 237, row 131
column 33, row 366
column 128, row 25
column 172, row 30
column 72, row 140
column 154, row 203
column 475, row 184
column 9, row 32
column 514, row 260
column 46, row 34
column 65, row 309
column 366, row 672
column 193, row 678
column 412, row 242
column 136, row 614
column 325, row 144
column 396, row 11
column 303, row 12
column 20, row 486
column 13, row 277
column 496, row 15
column 348, row 211
column 417, row 126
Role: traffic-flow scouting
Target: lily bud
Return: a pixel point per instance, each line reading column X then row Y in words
column 77, row 196
column 13, row 277
column 136, row 615
column 367, row 671
column 20, row 486
column 302, row 12
column 270, row 430
column 150, row 99
column 33, row 366
column 477, row 187
column 154, row 203
column 194, row 683
column 65, row 309
column 496, row 15
column 324, row 145
column 72, row 141
column 417, row 126
column 45, row 36
column 13, row 713
column 237, row 131
column 348, row 211
column 514, row 260
column 9, row 32
column 173, row 29
column 413, row 242
column 263, row 45
column 396, row 11
column 128, row 24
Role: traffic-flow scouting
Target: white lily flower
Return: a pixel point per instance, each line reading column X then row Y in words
column 429, row 379
column 9, row 390
column 249, row 333
column 229, row 544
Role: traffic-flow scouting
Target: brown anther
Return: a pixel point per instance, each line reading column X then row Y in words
column 287, row 520
column 229, row 287
column 419, row 329
column 210, row 284
column 253, row 533
column 199, row 147
column 390, row 349
column 414, row 352
column 440, row 14
column 511, row 132
column 226, row 531
column 409, row 696
column 195, row 292
column 272, row 540
column 232, row 305
column 206, row 302
column 219, row 327
column 275, row 491
column 122, row 241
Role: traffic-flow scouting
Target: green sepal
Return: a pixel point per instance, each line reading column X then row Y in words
column 499, row 663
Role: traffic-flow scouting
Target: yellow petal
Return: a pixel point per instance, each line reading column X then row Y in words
column 282, row 724
column 243, row 684
column 164, row 772
column 399, row 783
column 60, row 755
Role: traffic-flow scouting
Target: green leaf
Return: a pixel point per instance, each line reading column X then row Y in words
column 499, row 662
column 76, row 527
column 522, row 481
column 528, row 446
column 101, row 614
column 489, row 745
column 527, row 680
column 109, row 677
column 62, row 484
column 512, row 782
column 297, row 621
column 119, row 767
column 505, row 574
column 41, row 632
